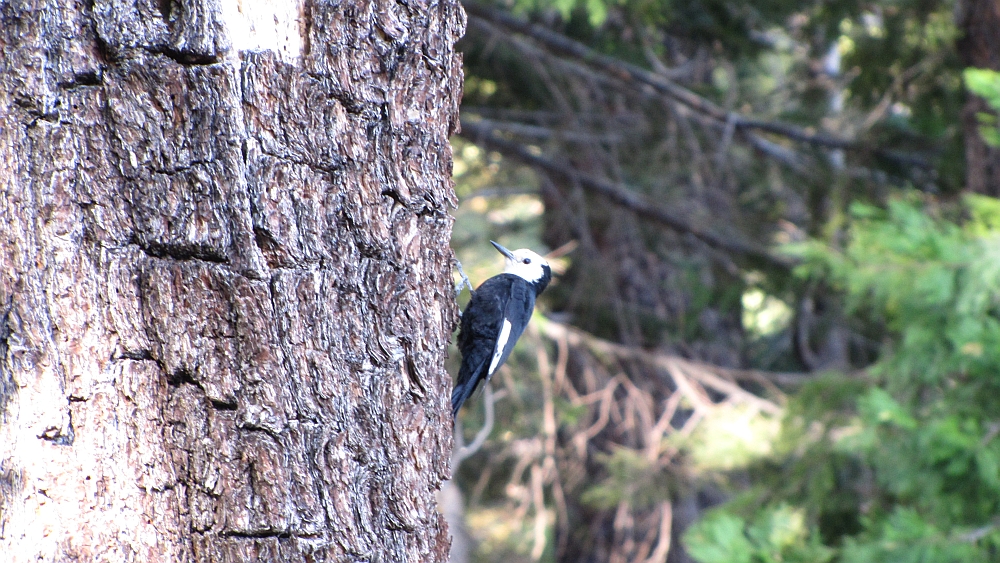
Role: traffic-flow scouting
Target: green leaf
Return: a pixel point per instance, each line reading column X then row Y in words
column 988, row 464
column 597, row 12
column 985, row 213
column 879, row 407
column 719, row 538
column 984, row 82
column 564, row 7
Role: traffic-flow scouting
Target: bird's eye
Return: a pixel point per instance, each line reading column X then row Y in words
column 527, row 260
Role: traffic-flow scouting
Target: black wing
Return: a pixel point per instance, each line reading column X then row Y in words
column 481, row 322
column 517, row 312
column 503, row 296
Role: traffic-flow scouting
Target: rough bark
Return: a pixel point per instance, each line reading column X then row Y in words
column 225, row 290
column 979, row 47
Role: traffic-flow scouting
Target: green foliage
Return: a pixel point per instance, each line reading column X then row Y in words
column 719, row 538
column 935, row 284
column 986, row 83
column 903, row 466
column 778, row 534
column 905, row 537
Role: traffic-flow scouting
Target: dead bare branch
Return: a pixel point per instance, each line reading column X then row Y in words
column 659, row 554
column 623, row 71
column 681, row 369
column 709, row 379
column 620, row 195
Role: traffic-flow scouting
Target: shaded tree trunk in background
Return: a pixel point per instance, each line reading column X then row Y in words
column 979, row 46
column 225, row 289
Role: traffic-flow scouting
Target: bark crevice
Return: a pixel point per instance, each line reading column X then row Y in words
column 199, row 251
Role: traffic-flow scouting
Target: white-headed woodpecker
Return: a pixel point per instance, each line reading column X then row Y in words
column 495, row 318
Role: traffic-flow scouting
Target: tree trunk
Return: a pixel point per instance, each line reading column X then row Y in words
column 979, row 47
column 225, row 279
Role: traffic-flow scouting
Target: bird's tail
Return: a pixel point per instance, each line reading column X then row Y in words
column 461, row 393
column 468, row 380
column 469, row 375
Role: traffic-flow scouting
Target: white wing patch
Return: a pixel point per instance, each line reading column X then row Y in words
column 501, row 344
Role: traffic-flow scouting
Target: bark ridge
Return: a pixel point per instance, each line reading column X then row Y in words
column 225, row 282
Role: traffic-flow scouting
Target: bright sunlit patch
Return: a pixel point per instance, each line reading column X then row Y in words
column 471, row 151
column 874, row 26
column 763, row 314
column 500, row 536
column 721, row 79
column 899, row 109
column 733, row 436
column 476, row 86
column 478, row 204
column 265, row 26
column 974, row 349
column 845, row 45
column 518, row 208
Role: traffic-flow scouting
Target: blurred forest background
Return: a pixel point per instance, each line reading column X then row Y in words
column 774, row 335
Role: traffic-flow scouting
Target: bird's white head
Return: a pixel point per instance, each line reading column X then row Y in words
column 525, row 264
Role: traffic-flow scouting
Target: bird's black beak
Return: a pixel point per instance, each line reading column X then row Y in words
column 503, row 251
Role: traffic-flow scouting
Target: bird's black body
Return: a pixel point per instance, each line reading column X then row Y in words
column 484, row 346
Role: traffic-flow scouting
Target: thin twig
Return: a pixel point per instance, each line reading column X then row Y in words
column 463, row 281
column 655, row 434
column 696, row 394
column 541, row 515
column 977, row 534
column 465, row 451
